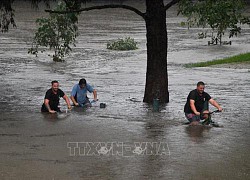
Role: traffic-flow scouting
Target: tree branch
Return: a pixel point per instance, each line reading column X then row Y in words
column 170, row 4
column 101, row 7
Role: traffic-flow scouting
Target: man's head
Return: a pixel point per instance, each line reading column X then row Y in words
column 200, row 87
column 82, row 83
column 55, row 85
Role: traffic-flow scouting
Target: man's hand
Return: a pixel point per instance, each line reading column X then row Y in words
column 52, row 111
column 197, row 113
column 69, row 107
column 220, row 109
column 76, row 104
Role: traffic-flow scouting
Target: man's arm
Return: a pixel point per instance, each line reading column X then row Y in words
column 74, row 101
column 46, row 103
column 65, row 97
column 215, row 104
column 193, row 108
column 95, row 95
column 72, row 97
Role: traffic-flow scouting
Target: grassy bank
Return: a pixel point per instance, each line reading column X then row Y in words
column 234, row 59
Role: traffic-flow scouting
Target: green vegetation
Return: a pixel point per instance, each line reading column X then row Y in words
column 219, row 15
column 6, row 15
column 123, row 44
column 234, row 59
column 57, row 32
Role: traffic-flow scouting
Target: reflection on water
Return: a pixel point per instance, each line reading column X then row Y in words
column 196, row 133
column 34, row 145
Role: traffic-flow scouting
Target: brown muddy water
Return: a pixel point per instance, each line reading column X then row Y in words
column 140, row 144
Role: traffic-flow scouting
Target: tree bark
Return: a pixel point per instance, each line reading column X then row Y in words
column 156, row 75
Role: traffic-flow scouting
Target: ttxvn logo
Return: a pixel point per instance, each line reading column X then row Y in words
column 117, row 148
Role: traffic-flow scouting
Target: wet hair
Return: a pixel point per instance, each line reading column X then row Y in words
column 200, row 83
column 52, row 82
column 82, row 81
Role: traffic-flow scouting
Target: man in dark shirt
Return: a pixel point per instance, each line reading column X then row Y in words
column 52, row 97
column 196, row 107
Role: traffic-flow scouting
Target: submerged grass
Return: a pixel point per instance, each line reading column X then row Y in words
column 234, row 59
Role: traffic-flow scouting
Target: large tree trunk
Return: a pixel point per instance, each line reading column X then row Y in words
column 156, row 76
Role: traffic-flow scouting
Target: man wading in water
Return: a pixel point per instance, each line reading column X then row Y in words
column 79, row 94
column 52, row 97
column 196, row 107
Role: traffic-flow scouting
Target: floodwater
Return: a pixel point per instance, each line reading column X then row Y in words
column 38, row 146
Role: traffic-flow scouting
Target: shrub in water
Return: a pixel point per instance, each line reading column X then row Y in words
column 123, row 44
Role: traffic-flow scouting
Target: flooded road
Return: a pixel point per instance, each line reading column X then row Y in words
column 38, row 146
